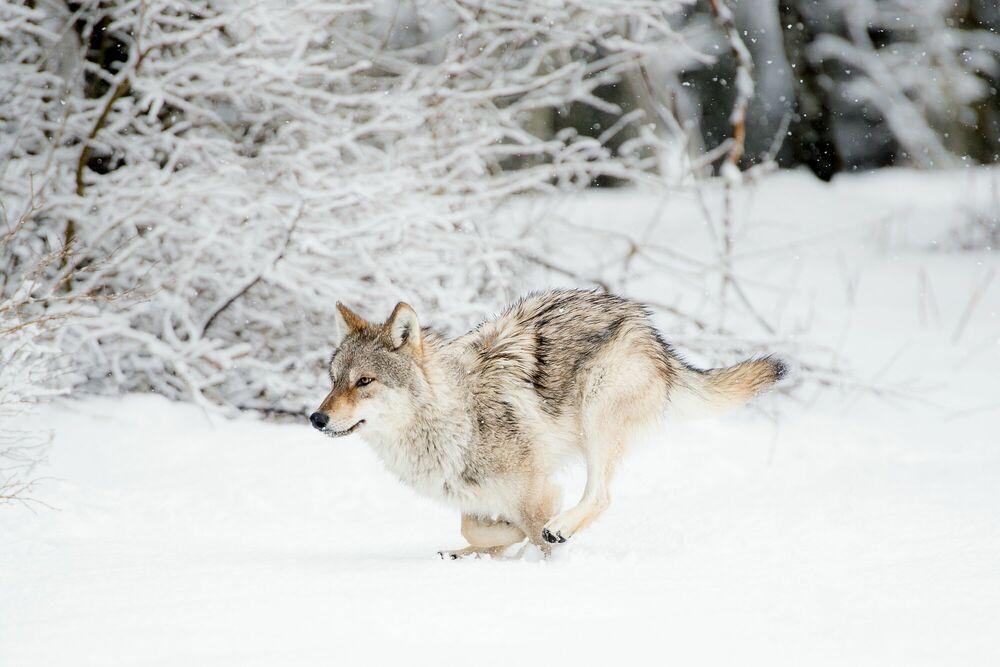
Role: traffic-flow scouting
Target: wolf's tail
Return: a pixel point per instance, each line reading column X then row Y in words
column 698, row 393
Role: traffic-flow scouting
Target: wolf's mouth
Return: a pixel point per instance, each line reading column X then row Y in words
column 336, row 434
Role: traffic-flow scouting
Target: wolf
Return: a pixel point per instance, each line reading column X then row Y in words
column 484, row 420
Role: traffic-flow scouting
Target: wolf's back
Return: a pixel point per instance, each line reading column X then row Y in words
column 696, row 393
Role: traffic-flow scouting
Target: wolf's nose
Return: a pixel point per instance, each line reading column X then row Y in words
column 319, row 420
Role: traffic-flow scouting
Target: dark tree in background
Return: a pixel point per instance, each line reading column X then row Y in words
column 884, row 82
column 810, row 139
column 844, row 85
column 984, row 16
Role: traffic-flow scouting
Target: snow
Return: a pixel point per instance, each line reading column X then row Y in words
column 837, row 528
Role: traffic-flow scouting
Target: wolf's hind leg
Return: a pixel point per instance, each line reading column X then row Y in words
column 615, row 410
column 485, row 536
column 596, row 496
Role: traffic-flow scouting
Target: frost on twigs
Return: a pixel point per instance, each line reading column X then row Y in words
column 930, row 85
column 250, row 164
column 23, row 382
column 49, row 336
column 29, row 365
column 731, row 173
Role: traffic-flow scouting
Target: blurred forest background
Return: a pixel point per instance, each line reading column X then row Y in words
column 187, row 187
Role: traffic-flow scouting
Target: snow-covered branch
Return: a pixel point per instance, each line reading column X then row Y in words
column 248, row 164
column 925, row 82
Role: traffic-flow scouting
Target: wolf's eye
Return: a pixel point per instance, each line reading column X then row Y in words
column 363, row 381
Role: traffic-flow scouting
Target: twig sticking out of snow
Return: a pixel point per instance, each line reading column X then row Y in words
column 970, row 307
column 730, row 170
column 744, row 88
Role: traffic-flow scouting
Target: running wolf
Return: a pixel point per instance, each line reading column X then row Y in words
column 483, row 421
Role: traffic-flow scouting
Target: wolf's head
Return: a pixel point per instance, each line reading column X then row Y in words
column 375, row 372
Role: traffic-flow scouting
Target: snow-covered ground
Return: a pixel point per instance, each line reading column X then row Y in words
column 849, row 529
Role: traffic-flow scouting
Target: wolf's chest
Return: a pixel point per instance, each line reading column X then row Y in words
column 442, row 475
column 431, row 470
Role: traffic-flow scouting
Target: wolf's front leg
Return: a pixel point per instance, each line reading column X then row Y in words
column 485, row 536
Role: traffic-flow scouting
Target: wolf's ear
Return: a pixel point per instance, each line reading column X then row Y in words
column 404, row 329
column 347, row 322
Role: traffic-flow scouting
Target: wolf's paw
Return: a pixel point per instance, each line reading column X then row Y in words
column 559, row 529
column 563, row 526
column 448, row 555
column 552, row 538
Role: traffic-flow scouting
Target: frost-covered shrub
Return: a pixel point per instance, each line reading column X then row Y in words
column 31, row 366
column 926, row 67
column 25, row 368
column 249, row 164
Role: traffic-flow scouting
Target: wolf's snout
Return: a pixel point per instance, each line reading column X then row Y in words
column 319, row 420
